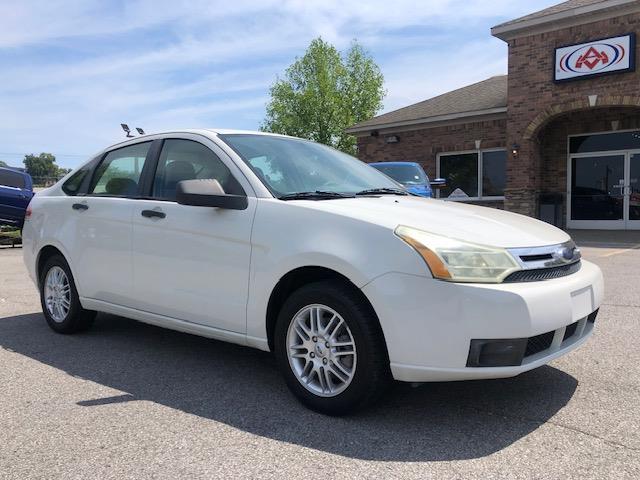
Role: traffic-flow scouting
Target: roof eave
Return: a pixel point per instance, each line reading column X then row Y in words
column 420, row 121
column 607, row 9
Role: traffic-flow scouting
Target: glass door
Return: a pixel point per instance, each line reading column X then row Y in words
column 597, row 191
column 633, row 191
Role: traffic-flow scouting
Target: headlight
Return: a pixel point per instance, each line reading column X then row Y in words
column 458, row 261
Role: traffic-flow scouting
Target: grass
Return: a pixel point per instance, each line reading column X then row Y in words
column 7, row 234
column 11, row 234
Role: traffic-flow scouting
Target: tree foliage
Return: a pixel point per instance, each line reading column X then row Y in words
column 42, row 166
column 323, row 93
column 3, row 164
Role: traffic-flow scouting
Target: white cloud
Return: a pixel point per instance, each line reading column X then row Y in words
column 417, row 76
column 73, row 70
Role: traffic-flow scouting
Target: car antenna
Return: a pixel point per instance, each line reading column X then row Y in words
column 125, row 127
column 140, row 131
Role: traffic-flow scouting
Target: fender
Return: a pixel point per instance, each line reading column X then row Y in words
column 262, row 284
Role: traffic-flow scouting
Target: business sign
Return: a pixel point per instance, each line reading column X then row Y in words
column 609, row 55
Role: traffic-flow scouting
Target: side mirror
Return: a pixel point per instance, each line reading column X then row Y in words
column 438, row 183
column 208, row 193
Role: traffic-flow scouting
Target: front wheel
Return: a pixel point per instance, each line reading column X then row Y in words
column 59, row 298
column 330, row 348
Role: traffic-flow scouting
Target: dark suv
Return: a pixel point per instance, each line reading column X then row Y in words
column 16, row 190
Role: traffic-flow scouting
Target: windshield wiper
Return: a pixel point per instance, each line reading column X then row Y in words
column 315, row 195
column 383, row 191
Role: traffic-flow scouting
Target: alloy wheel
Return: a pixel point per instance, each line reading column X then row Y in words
column 321, row 350
column 57, row 294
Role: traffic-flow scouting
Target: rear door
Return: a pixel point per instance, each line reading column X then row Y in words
column 15, row 194
column 192, row 263
column 102, row 223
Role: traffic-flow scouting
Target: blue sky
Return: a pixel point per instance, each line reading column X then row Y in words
column 73, row 70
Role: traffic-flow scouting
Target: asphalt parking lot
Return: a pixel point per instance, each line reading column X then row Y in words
column 128, row 400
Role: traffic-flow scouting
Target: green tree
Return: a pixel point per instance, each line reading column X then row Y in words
column 323, row 93
column 39, row 166
column 3, row 164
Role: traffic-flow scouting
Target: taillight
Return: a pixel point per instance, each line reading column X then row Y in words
column 28, row 212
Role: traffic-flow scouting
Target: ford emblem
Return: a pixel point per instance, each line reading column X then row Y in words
column 566, row 252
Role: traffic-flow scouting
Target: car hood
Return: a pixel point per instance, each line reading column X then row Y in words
column 483, row 225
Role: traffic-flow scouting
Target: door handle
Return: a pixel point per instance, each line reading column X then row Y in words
column 153, row 214
column 80, row 206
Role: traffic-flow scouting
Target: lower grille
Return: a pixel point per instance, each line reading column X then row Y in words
column 539, row 343
column 505, row 352
column 570, row 331
column 539, row 274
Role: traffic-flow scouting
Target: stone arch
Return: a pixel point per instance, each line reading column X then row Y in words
column 553, row 111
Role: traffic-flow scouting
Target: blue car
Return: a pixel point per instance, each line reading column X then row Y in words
column 16, row 191
column 409, row 174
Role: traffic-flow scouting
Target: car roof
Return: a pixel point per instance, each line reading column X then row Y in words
column 9, row 169
column 207, row 132
column 395, row 163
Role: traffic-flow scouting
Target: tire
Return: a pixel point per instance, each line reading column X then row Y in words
column 368, row 367
column 62, row 319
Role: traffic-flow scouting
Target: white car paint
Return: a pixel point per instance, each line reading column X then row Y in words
column 211, row 272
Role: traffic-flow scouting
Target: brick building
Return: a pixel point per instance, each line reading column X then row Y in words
column 557, row 138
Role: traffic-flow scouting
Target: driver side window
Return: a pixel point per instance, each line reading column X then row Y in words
column 188, row 160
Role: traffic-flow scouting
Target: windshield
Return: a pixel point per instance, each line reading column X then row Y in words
column 405, row 174
column 289, row 165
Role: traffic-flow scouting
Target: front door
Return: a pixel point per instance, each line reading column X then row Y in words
column 604, row 191
column 192, row 263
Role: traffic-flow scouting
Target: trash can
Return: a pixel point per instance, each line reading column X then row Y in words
column 550, row 208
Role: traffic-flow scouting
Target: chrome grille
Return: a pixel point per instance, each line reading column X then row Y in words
column 545, row 263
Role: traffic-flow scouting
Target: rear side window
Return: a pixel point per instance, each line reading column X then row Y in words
column 11, row 179
column 188, row 160
column 120, row 171
column 72, row 186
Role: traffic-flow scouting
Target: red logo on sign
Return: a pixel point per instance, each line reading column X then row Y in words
column 591, row 58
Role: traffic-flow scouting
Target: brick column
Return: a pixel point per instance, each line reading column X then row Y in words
column 521, row 201
column 523, row 174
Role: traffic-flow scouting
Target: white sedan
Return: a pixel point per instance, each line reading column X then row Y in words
column 290, row 246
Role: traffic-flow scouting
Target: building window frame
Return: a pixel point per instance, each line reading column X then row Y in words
column 480, row 153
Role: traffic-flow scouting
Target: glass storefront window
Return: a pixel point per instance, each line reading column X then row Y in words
column 473, row 175
column 494, row 173
column 605, row 142
column 597, row 187
column 461, row 174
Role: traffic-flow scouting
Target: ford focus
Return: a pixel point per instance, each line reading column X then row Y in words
column 292, row 247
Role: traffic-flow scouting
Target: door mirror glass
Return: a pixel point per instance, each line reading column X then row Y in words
column 438, row 183
column 208, row 193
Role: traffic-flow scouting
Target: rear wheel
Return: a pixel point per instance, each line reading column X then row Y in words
column 330, row 348
column 59, row 298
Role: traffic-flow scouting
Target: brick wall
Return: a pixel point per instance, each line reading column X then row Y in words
column 422, row 146
column 540, row 115
column 534, row 99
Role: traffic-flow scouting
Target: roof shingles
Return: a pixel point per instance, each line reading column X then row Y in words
column 486, row 95
column 559, row 8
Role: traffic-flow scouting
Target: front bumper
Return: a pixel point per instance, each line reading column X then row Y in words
column 429, row 324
